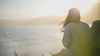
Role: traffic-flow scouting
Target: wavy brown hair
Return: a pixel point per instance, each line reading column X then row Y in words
column 73, row 17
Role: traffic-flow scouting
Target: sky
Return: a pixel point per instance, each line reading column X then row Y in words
column 28, row 9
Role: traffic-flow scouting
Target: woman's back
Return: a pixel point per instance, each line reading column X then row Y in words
column 80, row 38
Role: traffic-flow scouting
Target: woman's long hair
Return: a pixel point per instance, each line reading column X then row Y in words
column 73, row 17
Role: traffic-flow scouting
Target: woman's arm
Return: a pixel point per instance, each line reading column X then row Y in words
column 67, row 37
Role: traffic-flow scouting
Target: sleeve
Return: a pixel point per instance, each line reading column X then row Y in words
column 67, row 37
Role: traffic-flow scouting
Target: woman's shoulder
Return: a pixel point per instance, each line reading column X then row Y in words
column 77, row 24
column 82, row 23
column 69, row 26
column 85, row 24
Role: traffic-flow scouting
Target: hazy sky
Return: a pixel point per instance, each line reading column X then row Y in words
column 26, row 9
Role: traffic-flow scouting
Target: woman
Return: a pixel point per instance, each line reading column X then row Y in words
column 96, row 37
column 77, row 37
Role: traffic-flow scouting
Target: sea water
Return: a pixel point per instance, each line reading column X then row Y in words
column 33, row 40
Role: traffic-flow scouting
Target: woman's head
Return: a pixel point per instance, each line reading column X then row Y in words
column 73, row 16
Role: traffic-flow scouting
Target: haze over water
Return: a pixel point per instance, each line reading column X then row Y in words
column 37, row 40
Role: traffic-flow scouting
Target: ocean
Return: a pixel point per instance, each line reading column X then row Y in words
column 30, row 40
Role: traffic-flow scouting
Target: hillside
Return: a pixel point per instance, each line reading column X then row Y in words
column 46, row 20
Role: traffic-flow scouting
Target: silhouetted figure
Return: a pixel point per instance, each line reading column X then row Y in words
column 96, row 37
column 77, row 35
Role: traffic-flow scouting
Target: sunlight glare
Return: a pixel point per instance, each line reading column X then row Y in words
column 60, row 7
column 82, row 5
column 85, row 5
